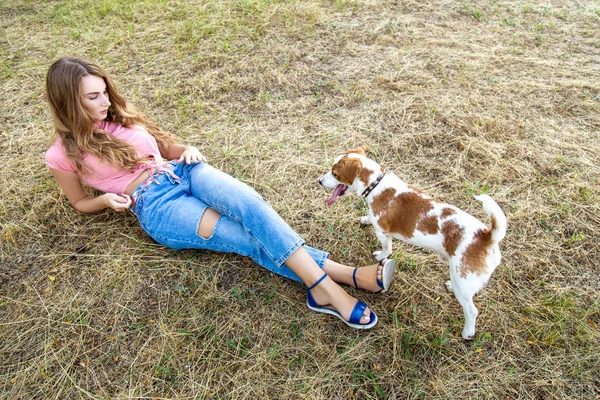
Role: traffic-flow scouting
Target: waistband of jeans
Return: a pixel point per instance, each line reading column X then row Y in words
column 155, row 172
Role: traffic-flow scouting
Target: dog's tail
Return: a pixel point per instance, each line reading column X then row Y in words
column 496, row 214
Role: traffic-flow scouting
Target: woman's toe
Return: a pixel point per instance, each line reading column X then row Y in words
column 379, row 271
column 366, row 317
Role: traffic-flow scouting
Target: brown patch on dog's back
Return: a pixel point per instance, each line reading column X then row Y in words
column 346, row 170
column 428, row 225
column 474, row 258
column 381, row 202
column 399, row 214
column 447, row 211
column 453, row 234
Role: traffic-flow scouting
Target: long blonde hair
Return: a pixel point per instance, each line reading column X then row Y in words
column 76, row 128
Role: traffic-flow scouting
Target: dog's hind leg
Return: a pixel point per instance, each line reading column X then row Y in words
column 464, row 294
column 470, row 312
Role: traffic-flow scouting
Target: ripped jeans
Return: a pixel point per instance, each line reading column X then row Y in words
column 169, row 208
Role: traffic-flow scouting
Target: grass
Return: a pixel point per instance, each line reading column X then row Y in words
column 457, row 98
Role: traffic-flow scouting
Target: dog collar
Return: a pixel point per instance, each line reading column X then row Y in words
column 373, row 185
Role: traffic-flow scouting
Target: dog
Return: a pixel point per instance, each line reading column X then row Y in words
column 399, row 210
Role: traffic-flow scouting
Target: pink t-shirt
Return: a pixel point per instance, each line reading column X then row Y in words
column 104, row 176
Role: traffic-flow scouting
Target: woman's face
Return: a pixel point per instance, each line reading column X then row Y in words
column 94, row 96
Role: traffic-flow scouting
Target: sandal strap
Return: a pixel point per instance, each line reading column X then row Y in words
column 357, row 312
column 380, row 283
column 317, row 282
column 354, row 278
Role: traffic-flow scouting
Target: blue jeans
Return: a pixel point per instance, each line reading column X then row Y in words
column 170, row 209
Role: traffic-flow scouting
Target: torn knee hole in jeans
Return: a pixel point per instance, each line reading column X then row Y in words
column 207, row 223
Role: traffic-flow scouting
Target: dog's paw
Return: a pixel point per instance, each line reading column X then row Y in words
column 449, row 286
column 380, row 255
column 364, row 220
column 468, row 334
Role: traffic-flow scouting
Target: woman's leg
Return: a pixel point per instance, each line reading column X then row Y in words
column 365, row 276
column 176, row 219
column 327, row 292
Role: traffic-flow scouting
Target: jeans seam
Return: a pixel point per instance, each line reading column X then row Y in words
column 323, row 259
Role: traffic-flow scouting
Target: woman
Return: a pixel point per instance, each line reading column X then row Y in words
column 179, row 199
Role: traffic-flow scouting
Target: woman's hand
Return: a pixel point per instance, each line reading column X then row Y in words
column 117, row 202
column 191, row 155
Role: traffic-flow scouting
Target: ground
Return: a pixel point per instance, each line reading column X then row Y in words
column 457, row 98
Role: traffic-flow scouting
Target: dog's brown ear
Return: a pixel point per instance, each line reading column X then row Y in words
column 347, row 169
column 360, row 150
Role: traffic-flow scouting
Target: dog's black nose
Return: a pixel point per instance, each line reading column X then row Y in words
column 321, row 182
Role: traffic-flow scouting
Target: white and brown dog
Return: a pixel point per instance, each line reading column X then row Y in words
column 402, row 211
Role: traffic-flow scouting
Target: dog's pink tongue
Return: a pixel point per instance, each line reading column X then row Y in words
column 336, row 193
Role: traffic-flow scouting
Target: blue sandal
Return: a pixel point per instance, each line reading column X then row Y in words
column 389, row 266
column 355, row 316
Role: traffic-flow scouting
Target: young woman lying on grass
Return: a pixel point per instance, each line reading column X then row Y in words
column 180, row 200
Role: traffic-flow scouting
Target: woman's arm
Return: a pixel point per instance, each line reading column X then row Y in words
column 179, row 152
column 81, row 200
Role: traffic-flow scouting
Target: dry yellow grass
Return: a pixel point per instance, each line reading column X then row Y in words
column 455, row 97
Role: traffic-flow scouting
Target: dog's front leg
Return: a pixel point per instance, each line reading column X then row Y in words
column 386, row 245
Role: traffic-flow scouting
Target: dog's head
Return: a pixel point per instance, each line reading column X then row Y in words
column 349, row 171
